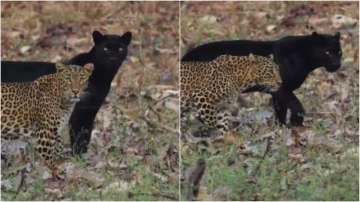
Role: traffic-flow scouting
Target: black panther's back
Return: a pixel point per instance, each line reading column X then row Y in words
column 210, row 51
column 14, row 71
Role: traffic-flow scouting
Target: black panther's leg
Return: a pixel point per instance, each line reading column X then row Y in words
column 297, row 110
column 81, row 122
column 80, row 133
column 280, row 107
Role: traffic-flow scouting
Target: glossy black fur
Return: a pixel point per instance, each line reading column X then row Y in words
column 16, row 71
column 106, row 65
column 296, row 56
column 107, row 55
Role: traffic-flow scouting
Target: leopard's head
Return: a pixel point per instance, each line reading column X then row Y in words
column 73, row 79
column 267, row 74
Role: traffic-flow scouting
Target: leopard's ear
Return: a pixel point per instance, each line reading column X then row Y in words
column 89, row 68
column 60, row 67
column 251, row 57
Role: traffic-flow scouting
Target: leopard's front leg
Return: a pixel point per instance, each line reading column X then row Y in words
column 216, row 121
column 46, row 140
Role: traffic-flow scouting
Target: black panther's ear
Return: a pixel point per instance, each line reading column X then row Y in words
column 126, row 38
column 97, row 36
column 314, row 33
column 337, row 35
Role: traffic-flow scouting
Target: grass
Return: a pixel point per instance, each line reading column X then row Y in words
column 322, row 177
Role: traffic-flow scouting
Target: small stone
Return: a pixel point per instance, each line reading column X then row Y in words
column 342, row 21
column 209, row 19
column 46, row 175
column 270, row 28
column 348, row 60
column 25, row 49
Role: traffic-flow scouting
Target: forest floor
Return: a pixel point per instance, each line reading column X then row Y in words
column 133, row 154
column 260, row 160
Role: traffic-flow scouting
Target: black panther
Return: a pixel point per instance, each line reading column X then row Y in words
column 296, row 56
column 107, row 55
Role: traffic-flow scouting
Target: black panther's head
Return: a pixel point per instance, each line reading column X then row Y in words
column 110, row 49
column 326, row 50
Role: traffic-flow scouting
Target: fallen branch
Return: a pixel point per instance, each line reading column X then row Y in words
column 157, row 125
column 194, row 179
column 22, row 182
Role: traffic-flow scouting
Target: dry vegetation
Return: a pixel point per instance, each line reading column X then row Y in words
column 134, row 148
column 317, row 162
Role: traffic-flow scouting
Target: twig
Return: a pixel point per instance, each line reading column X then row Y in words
column 22, row 182
column 155, row 102
column 150, row 108
column 163, row 98
column 194, row 179
column 157, row 125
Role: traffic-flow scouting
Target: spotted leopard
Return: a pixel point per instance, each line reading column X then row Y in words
column 40, row 108
column 205, row 87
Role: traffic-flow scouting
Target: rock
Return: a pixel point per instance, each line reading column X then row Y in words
column 348, row 60
column 342, row 21
column 46, row 175
column 208, row 19
column 280, row 18
column 134, row 59
column 270, row 28
column 25, row 49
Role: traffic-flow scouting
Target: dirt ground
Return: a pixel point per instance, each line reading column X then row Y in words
column 134, row 147
column 326, row 166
